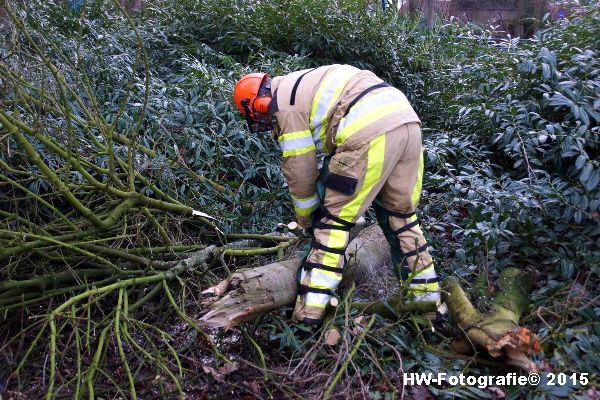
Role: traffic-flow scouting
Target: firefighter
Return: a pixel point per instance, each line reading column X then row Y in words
column 372, row 138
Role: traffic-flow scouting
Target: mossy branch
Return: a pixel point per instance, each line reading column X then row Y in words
column 498, row 332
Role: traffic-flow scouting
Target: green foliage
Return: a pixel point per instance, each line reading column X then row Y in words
column 184, row 111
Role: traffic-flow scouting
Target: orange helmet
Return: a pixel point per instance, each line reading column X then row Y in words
column 249, row 101
column 247, row 88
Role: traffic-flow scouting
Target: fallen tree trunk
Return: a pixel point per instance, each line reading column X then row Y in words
column 249, row 293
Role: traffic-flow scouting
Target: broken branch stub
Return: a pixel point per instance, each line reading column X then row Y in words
column 498, row 331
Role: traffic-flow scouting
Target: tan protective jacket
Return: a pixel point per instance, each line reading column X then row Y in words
column 330, row 108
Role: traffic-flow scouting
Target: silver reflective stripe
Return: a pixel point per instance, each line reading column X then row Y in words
column 430, row 296
column 294, row 144
column 317, row 298
column 327, row 94
column 371, row 103
column 324, row 279
column 302, row 274
column 307, row 202
column 428, row 273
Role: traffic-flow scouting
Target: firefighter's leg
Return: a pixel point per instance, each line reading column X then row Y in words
column 321, row 272
column 321, row 193
column 395, row 209
column 384, row 222
column 355, row 177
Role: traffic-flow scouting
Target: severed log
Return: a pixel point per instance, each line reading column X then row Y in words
column 249, row 293
column 498, row 331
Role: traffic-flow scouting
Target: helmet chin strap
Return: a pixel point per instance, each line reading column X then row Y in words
column 247, row 113
column 255, row 125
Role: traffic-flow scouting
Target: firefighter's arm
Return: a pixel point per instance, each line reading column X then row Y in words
column 300, row 170
column 299, row 164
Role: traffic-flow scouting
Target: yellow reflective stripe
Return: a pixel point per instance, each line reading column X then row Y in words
column 316, row 305
column 319, row 286
column 373, row 174
column 416, row 194
column 310, row 304
column 305, row 202
column 304, row 206
column 382, row 112
column 296, row 142
column 373, row 102
column 424, row 287
column 302, row 150
column 325, row 96
column 316, row 101
column 412, row 218
column 336, row 240
column 334, row 98
column 305, row 212
column 327, row 279
column 294, row 135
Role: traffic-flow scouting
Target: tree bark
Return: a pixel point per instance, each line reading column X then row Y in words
column 430, row 11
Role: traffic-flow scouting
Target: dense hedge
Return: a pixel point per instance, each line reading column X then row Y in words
column 512, row 125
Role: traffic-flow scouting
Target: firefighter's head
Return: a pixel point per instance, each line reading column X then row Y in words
column 252, row 96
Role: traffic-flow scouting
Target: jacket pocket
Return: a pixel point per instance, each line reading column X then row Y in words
column 342, row 174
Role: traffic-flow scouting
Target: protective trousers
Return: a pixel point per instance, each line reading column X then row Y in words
column 386, row 172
